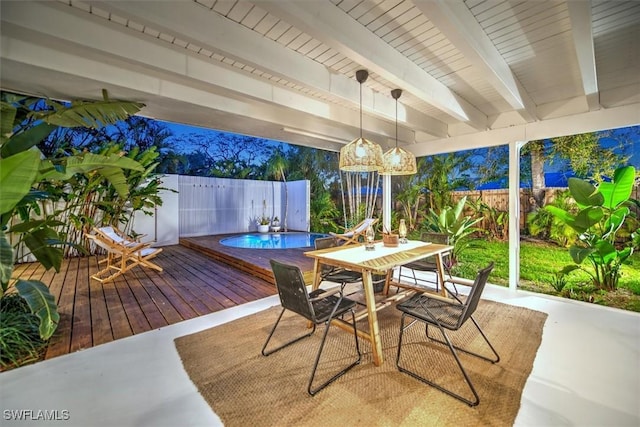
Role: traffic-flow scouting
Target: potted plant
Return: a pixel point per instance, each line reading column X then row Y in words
column 275, row 224
column 263, row 224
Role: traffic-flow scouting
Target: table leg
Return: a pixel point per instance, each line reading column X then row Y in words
column 440, row 273
column 316, row 275
column 374, row 330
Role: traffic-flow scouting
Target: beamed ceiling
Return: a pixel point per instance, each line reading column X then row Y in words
column 473, row 73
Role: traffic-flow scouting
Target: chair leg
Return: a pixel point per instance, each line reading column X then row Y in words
column 464, row 350
column 266, row 353
column 312, row 391
column 469, row 402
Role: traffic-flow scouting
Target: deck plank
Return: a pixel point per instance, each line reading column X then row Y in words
column 81, row 336
column 192, row 284
column 101, row 328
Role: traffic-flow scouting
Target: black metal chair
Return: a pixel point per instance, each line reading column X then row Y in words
column 427, row 264
column 448, row 315
column 318, row 307
column 335, row 274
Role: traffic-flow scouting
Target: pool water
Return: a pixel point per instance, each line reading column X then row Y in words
column 287, row 240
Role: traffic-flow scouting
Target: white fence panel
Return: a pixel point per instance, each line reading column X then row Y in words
column 223, row 205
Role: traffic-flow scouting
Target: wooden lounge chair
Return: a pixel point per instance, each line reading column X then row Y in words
column 117, row 236
column 353, row 235
column 122, row 254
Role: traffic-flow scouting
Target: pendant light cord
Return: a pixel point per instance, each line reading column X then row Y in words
column 396, row 122
column 361, row 111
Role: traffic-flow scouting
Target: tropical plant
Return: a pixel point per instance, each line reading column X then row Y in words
column 541, row 223
column 495, row 223
column 603, row 211
column 276, row 167
column 410, row 196
column 442, row 174
column 453, row 222
column 25, row 122
column 20, row 340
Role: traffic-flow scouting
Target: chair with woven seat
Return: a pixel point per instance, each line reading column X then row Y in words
column 354, row 234
column 317, row 307
column 446, row 315
column 335, row 274
column 427, row 264
column 122, row 255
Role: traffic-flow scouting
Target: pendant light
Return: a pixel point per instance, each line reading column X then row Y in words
column 361, row 155
column 398, row 161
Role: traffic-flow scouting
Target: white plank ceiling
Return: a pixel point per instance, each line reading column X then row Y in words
column 474, row 73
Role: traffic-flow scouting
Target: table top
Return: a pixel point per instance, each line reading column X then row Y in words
column 383, row 258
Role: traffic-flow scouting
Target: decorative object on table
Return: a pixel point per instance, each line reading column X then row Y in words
column 450, row 314
column 370, row 236
column 318, row 307
column 402, row 231
column 390, row 240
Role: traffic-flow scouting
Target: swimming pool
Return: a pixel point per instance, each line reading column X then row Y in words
column 287, row 240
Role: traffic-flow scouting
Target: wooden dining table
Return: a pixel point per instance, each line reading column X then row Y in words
column 381, row 260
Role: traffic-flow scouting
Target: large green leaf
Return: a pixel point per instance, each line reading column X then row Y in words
column 579, row 254
column 90, row 161
column 40, row 243
column 561, row 214
column 587, row 218
column 93, row 114
column 87, row 162
column 617, row 218
column 25, row 140
column 7, row 116
column 42, row 304
column 6, row 262
column 116, row 177
column 606, row 250
column 17, row 174
column 618, row 190
column 584, row 193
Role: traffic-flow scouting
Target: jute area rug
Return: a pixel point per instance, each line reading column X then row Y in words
column 247, row 389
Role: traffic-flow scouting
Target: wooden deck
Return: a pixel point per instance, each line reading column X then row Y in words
column 197, row 280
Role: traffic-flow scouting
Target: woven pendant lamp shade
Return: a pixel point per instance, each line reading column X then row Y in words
column 361, row 155
column 398, row 161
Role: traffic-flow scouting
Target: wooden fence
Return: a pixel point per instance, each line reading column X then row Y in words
column 499, row 199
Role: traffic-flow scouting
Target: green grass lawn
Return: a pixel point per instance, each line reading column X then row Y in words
column 539, row 263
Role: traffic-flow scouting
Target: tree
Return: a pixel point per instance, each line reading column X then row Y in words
column 226, row 155
column 276, row 168
column 583, row 153
column 25, row 124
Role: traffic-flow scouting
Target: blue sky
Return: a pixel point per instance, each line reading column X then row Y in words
column 180, row 130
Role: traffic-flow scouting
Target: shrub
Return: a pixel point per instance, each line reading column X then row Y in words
column 20, row 341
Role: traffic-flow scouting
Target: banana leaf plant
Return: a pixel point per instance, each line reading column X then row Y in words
column 603, row 211
column 23, row 170
column 459, row 227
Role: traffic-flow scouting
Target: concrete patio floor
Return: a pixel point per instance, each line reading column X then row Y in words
column 587, row 372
